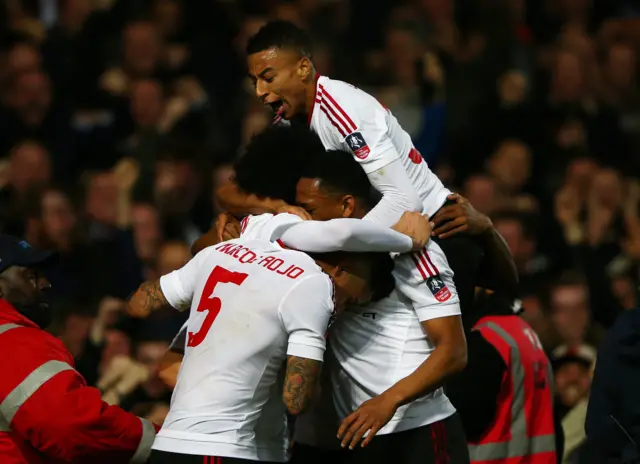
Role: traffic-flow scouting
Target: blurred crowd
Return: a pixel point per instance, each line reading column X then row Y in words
column 119, row 118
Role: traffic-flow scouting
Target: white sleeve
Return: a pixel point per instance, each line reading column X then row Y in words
column 345, row 234
column 358, row 123
column 427, row 280
column 305, row 313
column 398, row 194
column 266, row 226
column 178, row 286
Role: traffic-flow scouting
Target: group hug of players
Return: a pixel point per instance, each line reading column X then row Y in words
column 334, row 292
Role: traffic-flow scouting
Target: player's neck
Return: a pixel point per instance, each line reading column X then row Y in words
column 312, row 87
column 359, row 212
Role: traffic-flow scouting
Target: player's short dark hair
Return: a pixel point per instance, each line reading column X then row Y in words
column 381, row 264
column 275, row 159
column 340, row 174
column 281, row 34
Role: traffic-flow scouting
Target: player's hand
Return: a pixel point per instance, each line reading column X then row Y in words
column 227, row 228
column 300, row 212
column 461, row 217
column 416, row 226
column 370, row 417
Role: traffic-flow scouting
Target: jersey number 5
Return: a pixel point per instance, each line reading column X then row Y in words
column 211, row 303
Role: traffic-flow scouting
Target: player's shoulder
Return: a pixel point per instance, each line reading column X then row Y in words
column 266, row 226
column 336, row 92
column 299, row 259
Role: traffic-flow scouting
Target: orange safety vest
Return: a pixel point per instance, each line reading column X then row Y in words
column 523, row 429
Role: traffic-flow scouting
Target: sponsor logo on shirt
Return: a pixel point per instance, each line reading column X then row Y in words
column 438, row 288
column 358, row 146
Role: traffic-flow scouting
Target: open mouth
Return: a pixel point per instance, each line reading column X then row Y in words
column 276, row 107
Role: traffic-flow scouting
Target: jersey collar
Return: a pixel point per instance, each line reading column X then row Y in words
column 315, row 99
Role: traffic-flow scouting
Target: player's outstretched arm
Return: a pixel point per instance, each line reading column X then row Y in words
column 234, row 200
column 449, row 357
column 354, row 235
column 301, row 380
column 173, row 290
column 398, row 194
column 147, row 299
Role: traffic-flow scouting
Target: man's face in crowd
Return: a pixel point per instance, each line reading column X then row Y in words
column 58, row 217
column 321, row 204
column 520, row 246
column 511, row 165
column 570, row 312
column 172, row 255
column 621, row 66
column 26, row 290
column 572, row 381
column 281, row 79
column 30, row 165
column 150, row 353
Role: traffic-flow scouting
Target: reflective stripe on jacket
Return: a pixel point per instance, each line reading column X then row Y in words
column 523, row 428
column 48, row 413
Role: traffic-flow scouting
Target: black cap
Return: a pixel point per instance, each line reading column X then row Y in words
column 17, row 252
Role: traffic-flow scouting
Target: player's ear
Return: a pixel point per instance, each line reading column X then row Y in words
column 304, row 68
column 348, row 205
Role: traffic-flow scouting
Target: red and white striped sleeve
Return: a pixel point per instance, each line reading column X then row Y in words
column 354, row 121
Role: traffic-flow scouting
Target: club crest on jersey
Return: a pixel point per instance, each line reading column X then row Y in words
column 358, row 146
column 438, row 288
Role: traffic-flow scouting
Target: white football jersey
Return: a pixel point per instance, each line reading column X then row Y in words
column 374, row 346
column 347, row 118
column 252, row 304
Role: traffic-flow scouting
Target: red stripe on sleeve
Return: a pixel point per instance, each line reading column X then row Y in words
column 425, row 263
column 336, row 117
column 419, row 266
column 324, row 110
column 339, row 108
column 424, row 252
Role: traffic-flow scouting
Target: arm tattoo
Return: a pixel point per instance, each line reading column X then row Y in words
column 301, row 379
column 150, row 297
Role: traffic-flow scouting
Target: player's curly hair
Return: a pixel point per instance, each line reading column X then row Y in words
column 340, row 174
column 281, row 34
column 275, row 159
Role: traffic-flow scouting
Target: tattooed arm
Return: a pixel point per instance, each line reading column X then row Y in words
column 146, row 299
column 171, row 290
column 301, row 380
column 305, row 313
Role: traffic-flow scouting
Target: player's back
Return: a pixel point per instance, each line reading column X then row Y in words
column 348, row 118
column 227, row 400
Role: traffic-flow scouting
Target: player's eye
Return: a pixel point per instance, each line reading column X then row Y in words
column 268, row 80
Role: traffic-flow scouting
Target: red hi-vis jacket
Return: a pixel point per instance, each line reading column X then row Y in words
column 523, row 429
column 48, row 414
